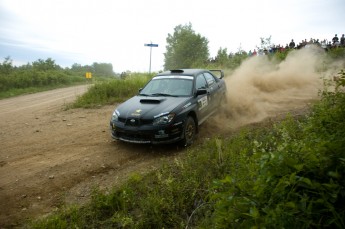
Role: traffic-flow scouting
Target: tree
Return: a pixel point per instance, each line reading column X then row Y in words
column 222, row 57
column 6, row 65
column 185, row 48
column 81, row 70
column 103, row 69
column 265, row 43
column 45, row 65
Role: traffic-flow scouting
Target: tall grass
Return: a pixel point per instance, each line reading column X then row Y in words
column 112, row 91
column 29, row 81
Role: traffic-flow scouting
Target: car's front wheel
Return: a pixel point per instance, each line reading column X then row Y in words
column 189, row 131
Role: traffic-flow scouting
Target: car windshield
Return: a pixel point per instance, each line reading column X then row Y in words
column 169, row 86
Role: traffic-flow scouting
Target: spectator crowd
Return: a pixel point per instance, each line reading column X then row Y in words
column 325, row 44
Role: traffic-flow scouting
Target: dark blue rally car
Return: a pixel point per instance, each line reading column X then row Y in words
column 170, row 107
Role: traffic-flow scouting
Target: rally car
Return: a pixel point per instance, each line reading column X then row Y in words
column 170, row 107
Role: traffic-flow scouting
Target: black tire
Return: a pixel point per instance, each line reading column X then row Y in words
column 189, row 132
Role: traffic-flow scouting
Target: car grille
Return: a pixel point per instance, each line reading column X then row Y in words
column 132, row 122
column 134, row 137
column 135, row 121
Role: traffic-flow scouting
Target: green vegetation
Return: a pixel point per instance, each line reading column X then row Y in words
column 185, row 49
column 337, row 53
column 45, row 75
column 112, row 91
column 291, row 177
column 288, row 174
column 225, row 60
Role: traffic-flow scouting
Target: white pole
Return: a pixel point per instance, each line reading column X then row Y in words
column 150, row 57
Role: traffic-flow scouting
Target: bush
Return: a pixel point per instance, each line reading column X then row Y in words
column 112, row 91
column 337, row 53
column 21, row 79
column 295, row 176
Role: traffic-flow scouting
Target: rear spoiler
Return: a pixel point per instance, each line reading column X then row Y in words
column 219, row 72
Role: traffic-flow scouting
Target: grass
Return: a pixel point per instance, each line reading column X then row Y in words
column 20, row 82
column 288, row 174
column 111, row 91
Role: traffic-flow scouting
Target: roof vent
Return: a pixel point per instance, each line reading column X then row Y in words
column 176, row 71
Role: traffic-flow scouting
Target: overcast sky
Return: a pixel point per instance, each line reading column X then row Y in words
column 112, row 31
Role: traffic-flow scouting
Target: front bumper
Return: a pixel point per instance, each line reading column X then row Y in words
column 147, row 134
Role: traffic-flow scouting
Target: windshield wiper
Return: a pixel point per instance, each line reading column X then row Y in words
column 163, row 94
column 143, row 94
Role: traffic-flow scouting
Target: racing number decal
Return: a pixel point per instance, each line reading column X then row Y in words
column 202, row 103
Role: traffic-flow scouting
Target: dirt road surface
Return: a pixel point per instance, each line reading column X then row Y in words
column 50, row 156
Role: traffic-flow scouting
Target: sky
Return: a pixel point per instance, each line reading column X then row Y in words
column 113, row 31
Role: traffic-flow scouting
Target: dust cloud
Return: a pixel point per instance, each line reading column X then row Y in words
column 262, row 88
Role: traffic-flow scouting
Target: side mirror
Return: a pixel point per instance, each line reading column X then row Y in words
column 140, row 90
column 201, row 92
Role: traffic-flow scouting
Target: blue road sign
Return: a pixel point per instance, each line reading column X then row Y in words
column 151, row 45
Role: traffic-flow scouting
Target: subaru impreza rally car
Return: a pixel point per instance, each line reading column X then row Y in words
column 170, row 107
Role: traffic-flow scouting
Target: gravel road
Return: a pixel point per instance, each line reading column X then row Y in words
column 50, row 156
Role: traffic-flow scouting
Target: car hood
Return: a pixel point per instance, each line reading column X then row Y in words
column 147, row 107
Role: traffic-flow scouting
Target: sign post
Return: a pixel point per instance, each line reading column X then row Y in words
column 88, row 75
column 151, row 45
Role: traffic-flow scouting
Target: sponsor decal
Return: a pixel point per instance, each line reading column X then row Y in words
column 137, row 112
column 187, row 105
column 202, row 103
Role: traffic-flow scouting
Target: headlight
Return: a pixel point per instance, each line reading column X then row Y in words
column 115, row 116
column 164, row 119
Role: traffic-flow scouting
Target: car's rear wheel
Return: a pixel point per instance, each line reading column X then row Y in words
column 189, row 131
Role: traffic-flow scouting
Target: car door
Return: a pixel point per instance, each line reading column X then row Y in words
column 212, row 87
column 202, row 100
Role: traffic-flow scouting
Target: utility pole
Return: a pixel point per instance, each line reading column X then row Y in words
column 151, row 45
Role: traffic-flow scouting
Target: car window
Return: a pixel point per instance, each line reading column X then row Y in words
column 200, row 82
column 180, row 87
column 209, row 78
column 155, row 86
column 170, row 86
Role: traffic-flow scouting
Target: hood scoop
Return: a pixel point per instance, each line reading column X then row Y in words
column 151, row 101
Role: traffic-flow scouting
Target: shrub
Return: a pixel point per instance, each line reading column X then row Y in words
column 295, row 177
column 112, row 91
